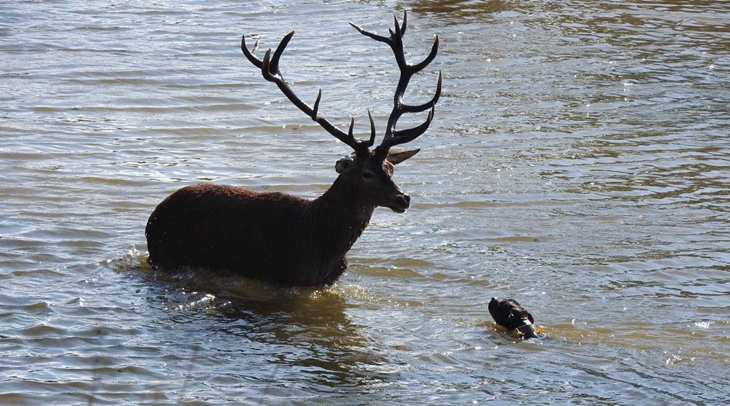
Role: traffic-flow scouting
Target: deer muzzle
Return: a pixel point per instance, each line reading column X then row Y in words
column 401, row 202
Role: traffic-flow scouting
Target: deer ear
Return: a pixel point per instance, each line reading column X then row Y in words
column 344, row 164
column 396, row 157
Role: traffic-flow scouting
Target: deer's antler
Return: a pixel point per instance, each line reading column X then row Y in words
column 270, row 69
column 395, row 41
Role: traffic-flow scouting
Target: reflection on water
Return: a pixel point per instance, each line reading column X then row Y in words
column 577, row 162
column 298, row 334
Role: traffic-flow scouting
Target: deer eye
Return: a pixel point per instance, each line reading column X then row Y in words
column 367, row 175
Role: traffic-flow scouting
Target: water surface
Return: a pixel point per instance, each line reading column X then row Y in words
column 578, row 162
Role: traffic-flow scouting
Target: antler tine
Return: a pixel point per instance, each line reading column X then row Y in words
column 372, row 130
column 410, row 134
column 274, row 68
column 395, row 41
column 249, row 55
column 370, row 34
column 400, row 29
column 407, row 108
column 405, row 20
column 369, row 143
column 395, row 137
column 434, row 50
column 270, row 70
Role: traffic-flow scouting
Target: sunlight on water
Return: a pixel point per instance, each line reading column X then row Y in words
column 578, row 162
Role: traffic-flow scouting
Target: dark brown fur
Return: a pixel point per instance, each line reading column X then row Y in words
column 282, row 238
column 273, row 236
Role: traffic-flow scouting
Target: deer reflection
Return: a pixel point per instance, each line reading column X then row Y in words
column 283, row 336
column 319, row 340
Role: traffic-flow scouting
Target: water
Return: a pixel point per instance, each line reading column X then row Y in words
column 578, row 162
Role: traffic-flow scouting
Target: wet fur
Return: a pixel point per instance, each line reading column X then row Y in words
column 273, row 237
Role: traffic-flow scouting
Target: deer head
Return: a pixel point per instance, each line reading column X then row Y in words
column 368, row 171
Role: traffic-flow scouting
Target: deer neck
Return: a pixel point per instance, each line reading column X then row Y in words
column 339, row 216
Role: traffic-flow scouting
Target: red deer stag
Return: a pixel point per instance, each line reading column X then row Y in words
column 282, row 238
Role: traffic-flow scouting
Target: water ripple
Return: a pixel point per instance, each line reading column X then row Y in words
column 577, row 162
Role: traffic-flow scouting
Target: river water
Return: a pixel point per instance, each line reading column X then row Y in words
column 579, row 162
